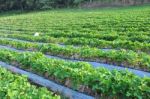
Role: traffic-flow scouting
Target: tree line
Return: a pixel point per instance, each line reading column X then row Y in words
column 48, row 4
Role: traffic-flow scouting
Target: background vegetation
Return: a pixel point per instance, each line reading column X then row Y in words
column 48, row 4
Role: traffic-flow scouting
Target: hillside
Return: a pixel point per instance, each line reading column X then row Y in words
column 76, row 53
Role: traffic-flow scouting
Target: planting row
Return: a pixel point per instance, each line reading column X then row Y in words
column 81, row 76
column 17, row 87
column 111, row 36
column 139, row 73
column 117, row 44
column 71, row 33
column 125, row 58
column 132, row 36
column 81, row 21
column 80, row 28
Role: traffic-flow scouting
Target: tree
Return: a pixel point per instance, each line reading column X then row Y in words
column 46, row 4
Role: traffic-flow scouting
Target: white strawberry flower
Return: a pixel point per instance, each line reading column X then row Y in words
column 36, row 34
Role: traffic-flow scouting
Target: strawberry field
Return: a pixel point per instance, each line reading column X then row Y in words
column 101, row 53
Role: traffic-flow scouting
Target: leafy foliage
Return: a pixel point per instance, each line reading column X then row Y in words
column 81, row 76
column 13, row 86
column 125, row 31
column 119, row 57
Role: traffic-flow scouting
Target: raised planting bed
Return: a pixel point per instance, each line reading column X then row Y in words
column 81, row 76
column 17, row 86
column 66, row 92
